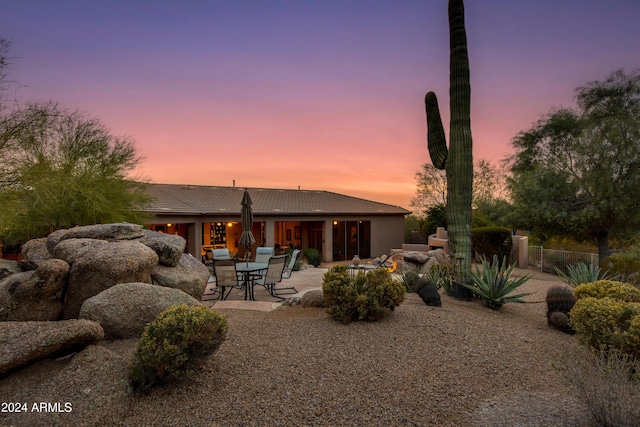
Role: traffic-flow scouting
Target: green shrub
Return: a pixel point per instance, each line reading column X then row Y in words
column 493, row 284
column 607, row 324
column 369, row 296
column 488, row 242
column 582, row 273
column 624, row 267
column 608, row 288
column 439, row 275
column 313, row 257
column 176, row 341
column 408, row 278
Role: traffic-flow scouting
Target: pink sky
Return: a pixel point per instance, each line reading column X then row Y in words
column 322, row 95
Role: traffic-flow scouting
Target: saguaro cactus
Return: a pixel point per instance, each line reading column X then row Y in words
column 458, row 159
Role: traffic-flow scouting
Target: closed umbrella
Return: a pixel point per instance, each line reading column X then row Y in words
column 246, row 218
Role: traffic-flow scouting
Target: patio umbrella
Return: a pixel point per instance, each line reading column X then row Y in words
column 246, row 218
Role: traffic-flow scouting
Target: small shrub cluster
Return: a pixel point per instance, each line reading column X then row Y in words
column 488, row 242
column 409, row 278
column 609, row 288
column 439, row 275
column 560, row 300
column 313, row 257
column 369, row 296
column 174, row 343
column 494, row 285
column 624, row 267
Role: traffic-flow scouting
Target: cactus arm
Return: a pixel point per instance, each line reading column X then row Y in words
column 436, row 140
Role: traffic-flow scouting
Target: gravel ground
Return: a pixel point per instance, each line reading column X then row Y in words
column 460, row 364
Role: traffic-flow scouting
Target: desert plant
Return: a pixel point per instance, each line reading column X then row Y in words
column 608, row 383
column 439, row 275
column 560, row 300
column 607, row 324
column 313, row 256
column 369, row 296
column 581, row 273
column 494, row 285
column 408, row 278
column 176, row 341
column 457, row 160
column 609, row 288
column 624, row 267
column 491, row 241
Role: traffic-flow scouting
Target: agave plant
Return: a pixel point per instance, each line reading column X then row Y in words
column 581, row 273
column 494, row 285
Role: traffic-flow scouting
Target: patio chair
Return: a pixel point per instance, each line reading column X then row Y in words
column 220, row 253
column 289, row 268
column 263, row 254
column 274, row 276
column 225, row 277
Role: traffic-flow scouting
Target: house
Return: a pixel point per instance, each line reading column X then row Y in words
column 338, row 226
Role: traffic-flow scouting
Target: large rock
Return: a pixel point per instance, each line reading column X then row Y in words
column 439, row 255
column 312, row 298
column 418, row 257
column 169, row 247
column 8, row 267
column 104, row 266
column 25, row 342
column 31, row 295
column 33, row 253
column 110, row 232
column 71, row 249
column 190, row 276
column 124, row 310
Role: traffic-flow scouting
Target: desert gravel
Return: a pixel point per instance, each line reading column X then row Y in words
column 456, row 365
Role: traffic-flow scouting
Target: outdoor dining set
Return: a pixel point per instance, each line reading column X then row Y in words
column 266, row 270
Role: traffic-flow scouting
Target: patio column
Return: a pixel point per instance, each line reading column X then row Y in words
column 270, row 226
column 327, row 241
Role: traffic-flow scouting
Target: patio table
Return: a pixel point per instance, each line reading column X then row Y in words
column 248, row 269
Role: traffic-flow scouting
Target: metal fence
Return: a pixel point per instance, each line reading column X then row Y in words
column 548, row 260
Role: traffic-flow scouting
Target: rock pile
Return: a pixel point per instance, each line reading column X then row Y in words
column 116, row 278
column 419, row 261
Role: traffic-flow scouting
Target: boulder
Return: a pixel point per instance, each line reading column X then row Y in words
column 25, row 342
column 424, row 268
column 71, row 249
column 103, row 266
column 312, row 298
column 429, row 293
column 418, row 257
column 33, row 253
column 31, row 295
column 190, row 276
column 439, row 255
column 403, row 266
column 124, row 310
column 110, row 232
column 169, row 247
column 8, row 267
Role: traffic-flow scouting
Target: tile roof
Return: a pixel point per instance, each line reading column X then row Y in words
column 211, row 200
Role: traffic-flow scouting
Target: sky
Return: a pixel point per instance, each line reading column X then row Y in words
column 321, row 95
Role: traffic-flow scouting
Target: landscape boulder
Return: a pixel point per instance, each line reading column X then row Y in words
column 71, row 249
column 32, row 295
column 428, row 292
column 190, row 276
column 109, row 232
column 169, row 247
column 124, row 310
column 8, row 267
column 104, row 266
column 312, row 298
column 26, row 342
column 33, row 253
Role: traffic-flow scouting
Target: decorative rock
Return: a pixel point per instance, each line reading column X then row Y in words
column 110, row 232
column 190, row 276
column 8, row 267
column 402, row 266
column 33, row 253
column 419, row 257
column 124, row 310
column 312, row 298
column 169, row 247
column 439, row 255
column 30, row 295
column 424, row 268
column 25, row 342
column 71, row 249
column 428, row 293
column 104, row 266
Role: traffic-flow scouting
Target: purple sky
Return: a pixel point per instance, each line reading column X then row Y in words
column 319, row 94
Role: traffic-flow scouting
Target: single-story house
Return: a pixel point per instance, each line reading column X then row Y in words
column 338, row 226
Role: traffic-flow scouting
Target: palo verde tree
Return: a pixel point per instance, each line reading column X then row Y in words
column 577, row 172
column 60, row 168
column 458, row 159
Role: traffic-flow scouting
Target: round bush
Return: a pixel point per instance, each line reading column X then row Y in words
column 369, row 296
column 608, row 288
column 174, row 343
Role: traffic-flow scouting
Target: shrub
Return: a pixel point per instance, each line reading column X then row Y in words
column 408, row 278
column 607, row 324
column 581, row 273
column 609, row 385
column 493, row 284
column 560, row 300
column 624, row 267
column 369, row 296
column 609, row 288
column 439, row 275
column 488, row 242
column 176, row 341
column 313, row 257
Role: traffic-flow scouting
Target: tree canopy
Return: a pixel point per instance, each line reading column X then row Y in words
column 60, row 168
column 577, row 172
